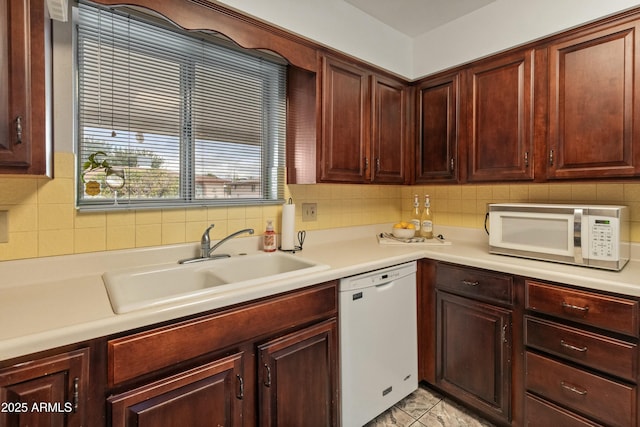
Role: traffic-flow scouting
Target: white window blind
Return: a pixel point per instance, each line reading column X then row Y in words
column 187, row 120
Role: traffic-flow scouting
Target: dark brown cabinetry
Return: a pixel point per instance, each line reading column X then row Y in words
column 500, row 118
column 271, row 362
column 388, row 129
column 582, row 356
column 25, row 49
column 594, row 90
column 438, row 120
column 345, row 122
column 46, row 392
column 363, row 125
column 209, row 395
column 474, row 338
column 298, row 378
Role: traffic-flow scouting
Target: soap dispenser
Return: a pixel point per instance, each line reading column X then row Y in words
column 269, row 244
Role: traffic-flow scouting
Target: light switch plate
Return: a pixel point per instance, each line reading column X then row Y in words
column 4, row 227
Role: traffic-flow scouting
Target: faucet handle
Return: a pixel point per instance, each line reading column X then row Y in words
column 205, row 242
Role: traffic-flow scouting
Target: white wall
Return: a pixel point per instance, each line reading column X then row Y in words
column 498, row 26
column 337, row 24
column 501, row 25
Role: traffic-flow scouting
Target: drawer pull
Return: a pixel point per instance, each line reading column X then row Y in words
column 575, row 307
column 573, row 388
column 573, row 347
column 470, row 283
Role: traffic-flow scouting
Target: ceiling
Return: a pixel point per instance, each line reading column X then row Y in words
column 416, row 17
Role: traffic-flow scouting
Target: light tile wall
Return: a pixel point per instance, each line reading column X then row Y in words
column 466, row 205
column 42, row 219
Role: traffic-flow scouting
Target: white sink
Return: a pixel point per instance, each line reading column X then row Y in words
column 141, row 287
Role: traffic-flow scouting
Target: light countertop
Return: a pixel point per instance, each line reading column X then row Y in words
column 50, row 302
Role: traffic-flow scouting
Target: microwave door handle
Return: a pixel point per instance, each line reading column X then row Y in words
column 577, row 236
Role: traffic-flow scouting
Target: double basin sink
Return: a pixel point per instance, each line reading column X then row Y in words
column 143, row 287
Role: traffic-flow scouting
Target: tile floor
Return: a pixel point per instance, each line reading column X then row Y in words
column 426, row 408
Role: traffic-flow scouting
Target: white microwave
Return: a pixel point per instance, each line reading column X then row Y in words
column 592, row 236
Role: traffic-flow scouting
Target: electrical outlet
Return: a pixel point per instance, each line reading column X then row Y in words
column 309, row 211
column 4, row 227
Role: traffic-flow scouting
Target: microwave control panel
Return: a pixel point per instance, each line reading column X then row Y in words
column 603, row 234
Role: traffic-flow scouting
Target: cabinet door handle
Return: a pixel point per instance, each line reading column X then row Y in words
column 551, row 157
column 19, row 130
column 366, row 163
column 573, row 388
column 504, row 333
column 526, row 159
column 573, row 347
column 267, row 382
column 76, row 394
column 377, row 164
column 452, row 164
column 240, row 394
column 470, row 283
column 575, row 307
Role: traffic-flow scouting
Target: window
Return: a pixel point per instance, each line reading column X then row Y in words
column 185, row 118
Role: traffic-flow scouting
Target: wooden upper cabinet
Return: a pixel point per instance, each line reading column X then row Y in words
column 25, row 46
column 364, row 127
column 500, row 118
column 389, row 130
column 344, row 148
column 593, row 93
column 437, row 121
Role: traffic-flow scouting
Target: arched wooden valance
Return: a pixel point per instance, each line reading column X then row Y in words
column 193, row 15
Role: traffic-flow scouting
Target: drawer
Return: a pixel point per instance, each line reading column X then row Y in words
column 603, row 311
column 482, row 284
column 606, row 354
column 145, row 352
column 540, row 413
column 605, row 400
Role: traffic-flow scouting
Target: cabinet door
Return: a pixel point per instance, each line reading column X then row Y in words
column 298, row 378
column 438, row 109
column 389, row 133
column 344, row 152
column 47, row 392
column 593, row 95
column 473, row 353
column 210, row 395
column 24, row 73
column 500, row 130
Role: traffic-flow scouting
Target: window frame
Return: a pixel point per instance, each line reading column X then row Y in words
column 272, row 172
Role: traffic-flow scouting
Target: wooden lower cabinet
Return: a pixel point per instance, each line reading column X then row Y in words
column 473, row 353
column 47, row 392
column 581, row 363
column 268, row 362
column 540, row 413
column 207, row 396
column 298, row 383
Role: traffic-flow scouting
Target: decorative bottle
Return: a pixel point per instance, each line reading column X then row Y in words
column 269, row 242
column 426, row 219
column 415, row 214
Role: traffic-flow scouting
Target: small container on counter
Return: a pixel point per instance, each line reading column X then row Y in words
column 269, row 238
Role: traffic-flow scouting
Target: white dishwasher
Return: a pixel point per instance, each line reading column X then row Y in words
column 378, row 342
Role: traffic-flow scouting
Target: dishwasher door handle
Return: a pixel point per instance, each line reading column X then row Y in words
column 384, row 286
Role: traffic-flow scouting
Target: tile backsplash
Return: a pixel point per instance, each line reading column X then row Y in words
column 42, row 219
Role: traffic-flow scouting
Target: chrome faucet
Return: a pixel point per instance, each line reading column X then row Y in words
column 230, row 236
column 205, row 246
